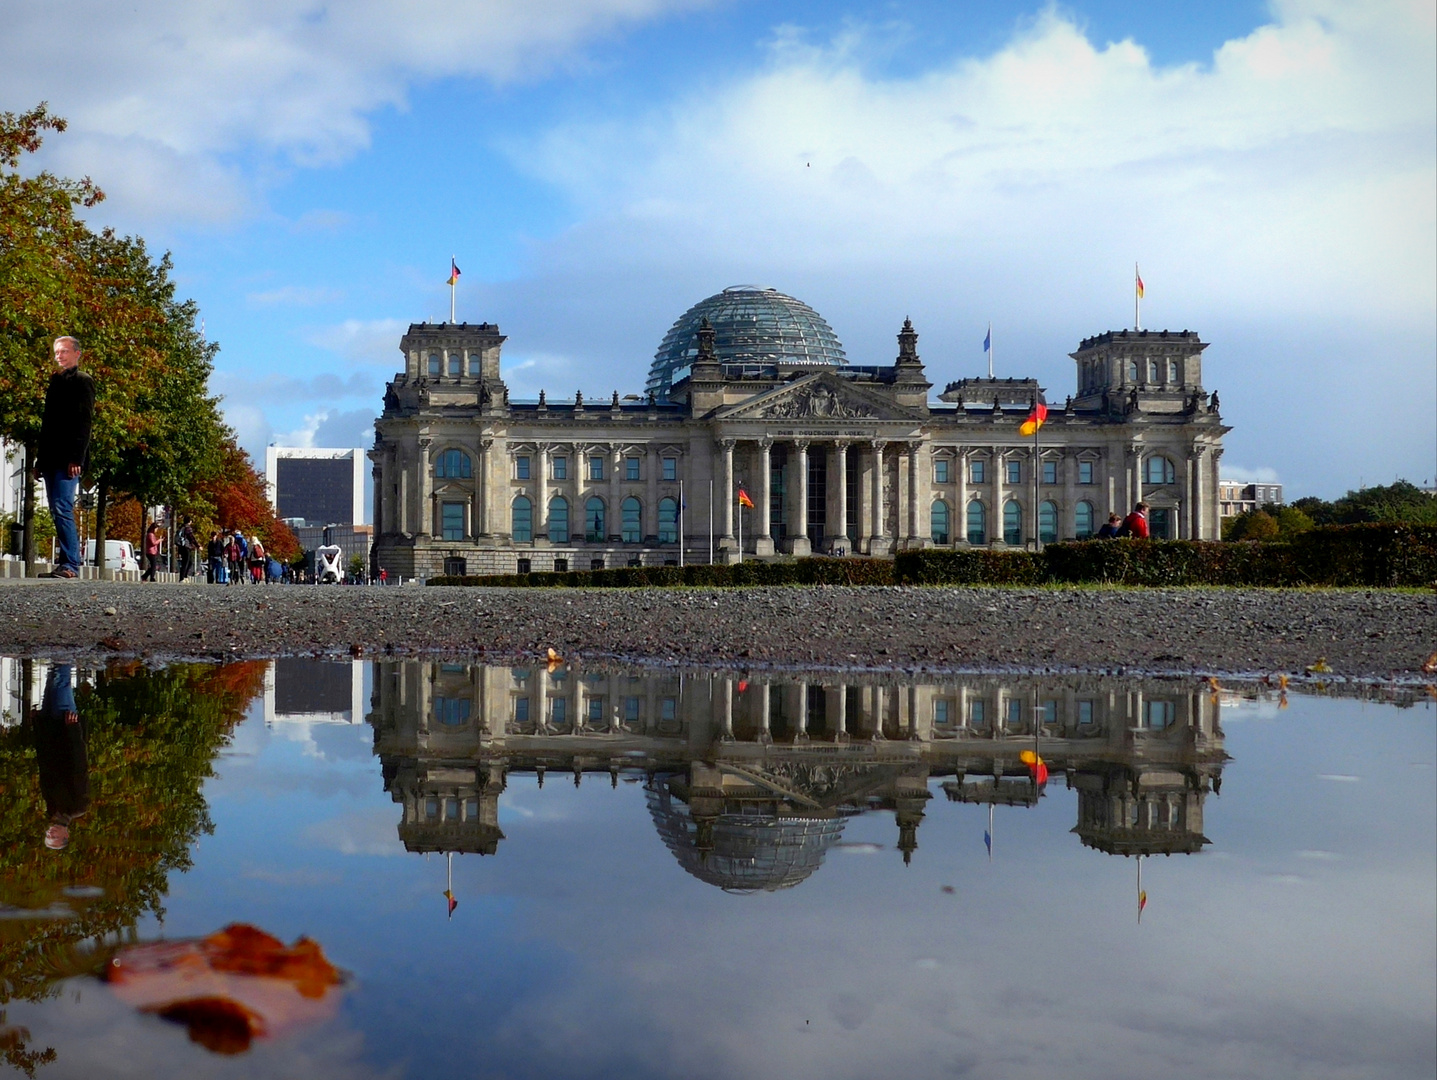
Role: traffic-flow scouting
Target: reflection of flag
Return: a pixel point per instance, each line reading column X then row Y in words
column 742, row 685
column 743, row 499
column 452, row 902
column 1037, row 417
column 453, row 271
column 1142, row 902
column 988, row 841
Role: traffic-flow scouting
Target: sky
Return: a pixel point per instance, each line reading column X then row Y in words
column 597, row 167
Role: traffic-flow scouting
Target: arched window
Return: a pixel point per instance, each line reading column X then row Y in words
column 456, row 364
column 1083, row 520
column 521, row 521
column 668, row 521
column 1173, row 372
column 434, row 361
column 1154, row 372
column 1158, row 470
column 1132, row 371
column 632, row 520
column 453, row 465
column 558, row 520
column 1048, row 523
column 939, row 518
column 594, row 521
column 1012, row 522
column 977, row 523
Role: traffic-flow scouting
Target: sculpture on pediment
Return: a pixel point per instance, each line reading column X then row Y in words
column 817, row 403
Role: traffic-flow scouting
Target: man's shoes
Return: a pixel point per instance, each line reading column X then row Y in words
column 63, row 572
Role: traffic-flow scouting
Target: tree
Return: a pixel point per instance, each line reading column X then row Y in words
column 233, row 496
column 1396, row 502
column 1252, row 525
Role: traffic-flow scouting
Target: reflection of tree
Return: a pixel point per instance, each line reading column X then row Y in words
column 151, row 738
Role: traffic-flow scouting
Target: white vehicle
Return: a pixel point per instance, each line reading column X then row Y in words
column 119, row 555
column 327, row 568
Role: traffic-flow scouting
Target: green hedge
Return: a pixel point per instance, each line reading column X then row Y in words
column 1378, row 555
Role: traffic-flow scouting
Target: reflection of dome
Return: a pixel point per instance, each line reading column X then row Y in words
column 752, row 325
column 746, row 852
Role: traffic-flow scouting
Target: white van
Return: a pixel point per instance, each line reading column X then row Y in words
column 119, row 555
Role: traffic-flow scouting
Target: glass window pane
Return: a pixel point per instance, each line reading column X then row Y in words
column 977, row 523
column 456, row 364
column 521, row 710
column 561, row 468
column 940, row 471
column 594, row 529
column 559, row 520
column 1048, row 523
column 522, row 525
column 1012, row 523
column 521, row 467
column 976, row 472
column 1050, row 472
column 1015, row 472
column 452, row 520
column 434, row 365
column 632, row 520
column 940, row 522
column 668, row 521
column 596, row 468
column 978, row 712
column 1083, row 520
column 631, row 469
column 671, row 468
column 1085, row 472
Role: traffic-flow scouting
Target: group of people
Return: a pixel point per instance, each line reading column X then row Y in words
column 1134, row 525
column 234, row 558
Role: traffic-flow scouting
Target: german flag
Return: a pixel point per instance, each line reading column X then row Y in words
column 743, row 499
column 453, row 272
column 1037, row 417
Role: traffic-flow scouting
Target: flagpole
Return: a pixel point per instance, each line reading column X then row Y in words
column 711, row 522
column 682, row 503
column 990, row 350
column 990, row 827
column 1137, row 299
column 452, row 285
column 739, row 508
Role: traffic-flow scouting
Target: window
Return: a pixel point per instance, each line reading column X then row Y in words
column 1173, row 372
column 561, row 565
column 559, row 711
column 455, row 566
column 451, row 712
column 456, row 364
column 632, row 469
column 1159, row 714
column 594, row 531
column 561, row 468
column 1012, row 522
column 1160, row 523
column 596, row 710
column 596, row 468
column 1014, row 716
column 1083, row 520
column 559, row 522
column 977, row 523
column 453, row 465
column 1085, row 472
column 631, row 514
column 631, row 709
column 521, row 467
column 1155, row 372
column 451, row 520
column 668, row 709
column 1048, row 523
column 1015, row 471
column 668, row 521
column 1158, row 470
column 978, row 712
column 1086, row 713
column 940, row 471
column 976, row 472
column 521, row 521
column 671, row 468
column 434, row 369
column 526, row 566
column 1050, row 472
column 1049, row 710
column 1132, row 371
column 940, row 522
column 940, row 711
column 431, row 808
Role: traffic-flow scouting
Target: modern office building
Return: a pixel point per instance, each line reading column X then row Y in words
column 752, row 390
column 314, row 485
column 1238, row 496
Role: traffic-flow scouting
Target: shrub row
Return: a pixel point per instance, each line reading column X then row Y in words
column 1378, row 555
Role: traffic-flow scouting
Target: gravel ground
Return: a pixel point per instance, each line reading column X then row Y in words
column 1361, row 634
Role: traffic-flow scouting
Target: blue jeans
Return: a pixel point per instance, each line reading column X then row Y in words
column 59, row 691
column 60, row 493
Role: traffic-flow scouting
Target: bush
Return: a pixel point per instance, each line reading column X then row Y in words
column 1167, row 562
column 813, row 571
column 977, row 567
column 1372, row 555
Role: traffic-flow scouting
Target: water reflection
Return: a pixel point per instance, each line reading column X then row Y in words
column 749, row 781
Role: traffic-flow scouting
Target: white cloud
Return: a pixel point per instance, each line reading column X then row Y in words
column 1262, row 474
column 370, row 341
column 169, row 88
column 295, row 296
column 372, row 831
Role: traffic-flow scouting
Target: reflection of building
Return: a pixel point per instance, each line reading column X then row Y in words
column 300, row 690
column 314, row 485
column 751, row 388
column 1238, row 497
column 749, row 783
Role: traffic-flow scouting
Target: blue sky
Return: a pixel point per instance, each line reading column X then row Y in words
column 596, row 167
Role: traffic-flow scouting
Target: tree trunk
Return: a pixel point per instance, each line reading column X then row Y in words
column 102, row 496
column 27, row 507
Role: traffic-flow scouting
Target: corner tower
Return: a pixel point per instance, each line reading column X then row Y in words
column 1158, row 370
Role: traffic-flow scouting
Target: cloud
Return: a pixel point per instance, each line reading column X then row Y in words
column 174, row 86
column 295, row 296
column 1263, row 474
column 366, row 832
column 369, row 341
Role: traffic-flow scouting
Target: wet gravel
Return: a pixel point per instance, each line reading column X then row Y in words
column 1359, row 634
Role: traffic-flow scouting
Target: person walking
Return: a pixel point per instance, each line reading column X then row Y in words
column 1135, row 524
column 215, row 553
column 151, row 551
column 64, row 449
column 187, row 542
column 1109, row 531
column 256, row 561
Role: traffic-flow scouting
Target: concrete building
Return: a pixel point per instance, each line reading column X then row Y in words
column 1238, row 497
column 315, row 486
column 838, row 458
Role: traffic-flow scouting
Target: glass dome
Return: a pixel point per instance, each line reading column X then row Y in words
column 752, row 325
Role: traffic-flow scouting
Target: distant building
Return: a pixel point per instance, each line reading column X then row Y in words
column 1237, row 497
column 314, row 692
column 315, row 485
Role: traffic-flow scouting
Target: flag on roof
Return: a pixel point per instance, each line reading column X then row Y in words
column 743, row 499
column 1037, row 417
column 453, row 272
column 988, row 339
column 1139, row 279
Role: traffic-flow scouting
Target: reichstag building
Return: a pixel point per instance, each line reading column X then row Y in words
column 752, row 389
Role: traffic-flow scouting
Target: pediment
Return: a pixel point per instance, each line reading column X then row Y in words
column 817, row 398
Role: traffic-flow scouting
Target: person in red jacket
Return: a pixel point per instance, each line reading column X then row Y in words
column 1136, row 523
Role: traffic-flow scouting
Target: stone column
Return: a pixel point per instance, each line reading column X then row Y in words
column 541, row 512
column 726, row 494
column 878, row 545
column 614, row 522
column 840, row 462
column 765, row 734
column 726, row 710
column 401, row 503
column 651, row 503
column 381, row 526
column 763, row 540
column 960, row 522
column 426, row 490
column 802, row 735
column 915, row 497
column 995, row 519
column 879, row 708
column 541, row 700
column 840, row 720
column 485, row 525
column 800, row 545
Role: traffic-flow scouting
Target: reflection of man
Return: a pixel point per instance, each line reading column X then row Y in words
column 60, row 753
column 64, row 446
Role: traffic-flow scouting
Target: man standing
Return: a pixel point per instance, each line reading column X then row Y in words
column 1136, row 523
column 64, row 448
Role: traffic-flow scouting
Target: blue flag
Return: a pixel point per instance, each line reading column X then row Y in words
column 988, row 340
column 988, row 841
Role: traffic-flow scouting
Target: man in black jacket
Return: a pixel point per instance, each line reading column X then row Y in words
column 64, row 447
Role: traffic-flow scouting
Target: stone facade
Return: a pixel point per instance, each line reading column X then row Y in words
column 847, row 460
